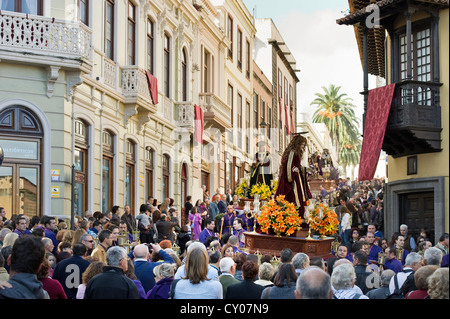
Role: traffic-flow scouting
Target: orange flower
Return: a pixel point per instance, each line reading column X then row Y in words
column 279, row 215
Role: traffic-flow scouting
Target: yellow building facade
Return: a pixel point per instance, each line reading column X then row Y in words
column 417, row 132
column 83, row 125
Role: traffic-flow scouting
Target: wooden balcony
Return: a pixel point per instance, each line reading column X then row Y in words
column 33, row 39
column 414, row 124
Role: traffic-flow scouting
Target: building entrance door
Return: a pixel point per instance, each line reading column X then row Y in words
column 417, row 211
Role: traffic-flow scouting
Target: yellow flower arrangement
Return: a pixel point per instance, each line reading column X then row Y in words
column 279, row 215
column 325, row 224
column 263, row 190
column 243, row 189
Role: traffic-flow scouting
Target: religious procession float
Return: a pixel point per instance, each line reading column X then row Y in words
column 286, row 212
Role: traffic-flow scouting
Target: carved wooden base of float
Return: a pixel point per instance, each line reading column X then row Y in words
column 271, row 245
column 314, row 185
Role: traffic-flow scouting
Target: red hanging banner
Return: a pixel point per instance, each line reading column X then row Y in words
column 198, row 136
column 377, row 114
column 153, row 87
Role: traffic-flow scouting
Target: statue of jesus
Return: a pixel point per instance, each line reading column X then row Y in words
column 293, row 183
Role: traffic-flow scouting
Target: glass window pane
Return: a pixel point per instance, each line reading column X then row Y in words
column 106, row 182
column 79, row 160
column 6, row 188
column 30, row 6
column 128, row 185
column 78, row 199
column 28, row 191
column 7, row 5
column 83, row 11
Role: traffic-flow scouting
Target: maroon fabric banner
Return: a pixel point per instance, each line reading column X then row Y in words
column 377, row 113
column 153, row 87
column 198, row 136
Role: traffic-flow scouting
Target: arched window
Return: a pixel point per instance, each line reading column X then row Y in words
column 108, row 171
column 21, row 137
column 167, row 54
column 81, row 152
column 184, row 76
column 150, row 45
column 109, row 33
column 184, row 182
column 130, row 172
column 131, row 33
column 165, row 176
column 149, row 155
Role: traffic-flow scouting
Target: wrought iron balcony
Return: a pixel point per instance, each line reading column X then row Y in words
column 414, row 124
column 51, row 41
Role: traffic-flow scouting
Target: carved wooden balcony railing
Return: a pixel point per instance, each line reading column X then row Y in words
column 414, row 124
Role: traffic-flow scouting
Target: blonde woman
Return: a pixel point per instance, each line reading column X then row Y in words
column 9, row 240
column 163, row 277
column 195, row 283
column 438, row 284
column 93, row 269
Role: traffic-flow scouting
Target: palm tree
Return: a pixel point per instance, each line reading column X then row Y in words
column 336, row 111
column 349, row 155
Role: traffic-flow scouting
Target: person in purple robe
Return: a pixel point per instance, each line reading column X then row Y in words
column 391, row 261
column 238, row 230
column 227, row 221
column 196, row 223
column 208, row 231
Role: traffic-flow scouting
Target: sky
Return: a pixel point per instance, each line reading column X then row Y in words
column 326, row 53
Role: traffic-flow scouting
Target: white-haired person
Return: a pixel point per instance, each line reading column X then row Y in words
column 342, row 280
column 228, row 270
column 265, row 275
column 163, row 277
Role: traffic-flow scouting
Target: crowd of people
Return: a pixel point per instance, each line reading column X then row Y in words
column 199, row 254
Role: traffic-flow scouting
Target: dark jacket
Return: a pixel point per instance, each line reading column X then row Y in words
column 111, row 284
column 379, row 293
column 130, row 221
column 213, row 210
column 222, row 205
column 164, row 228
column 187, row 209
column 361, row 276
column 283, row 292
column 246, row 289
column 68, row 272
column 24, row 286
column 144, row 270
